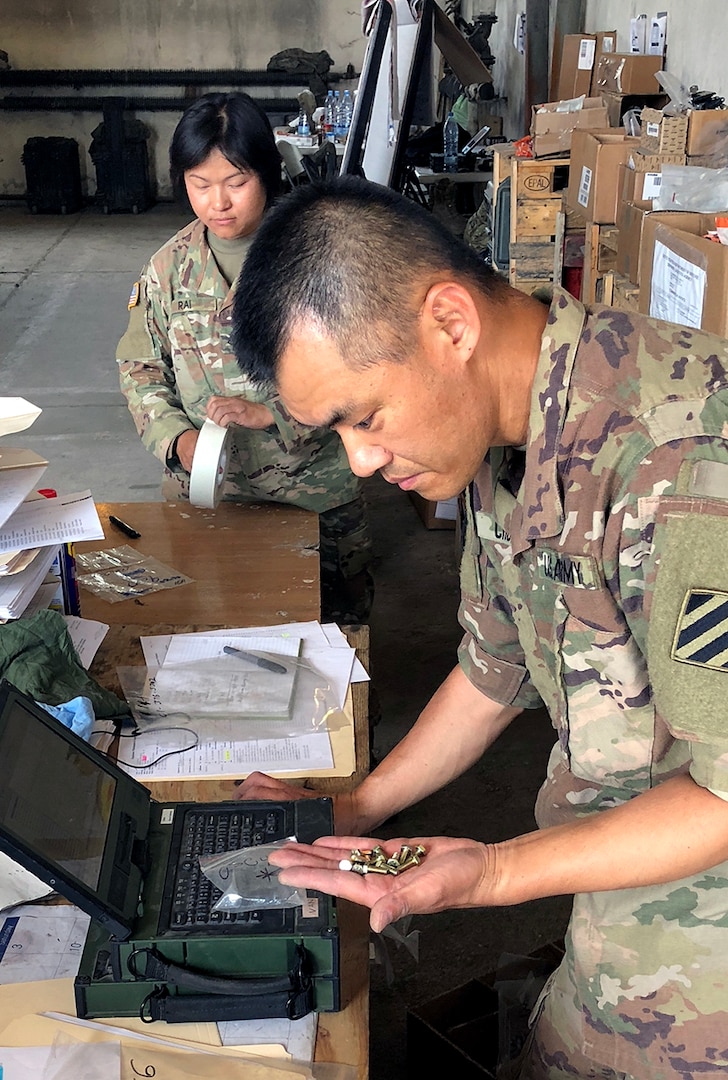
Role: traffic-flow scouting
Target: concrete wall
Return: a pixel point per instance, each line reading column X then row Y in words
column 156, row 34
column 175, row 33
column 695, row 32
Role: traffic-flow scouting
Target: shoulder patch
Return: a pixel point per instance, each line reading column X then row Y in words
column 134, row 295
column 701, row 635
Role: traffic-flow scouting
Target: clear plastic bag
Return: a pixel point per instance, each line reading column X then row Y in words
column 247, row 881
column 256, row 702
column 688, row 187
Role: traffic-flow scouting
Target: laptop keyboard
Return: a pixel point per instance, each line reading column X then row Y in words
column 208, row 833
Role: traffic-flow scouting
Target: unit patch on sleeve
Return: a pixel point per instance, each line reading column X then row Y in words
column 134, row 296
column 701, row 635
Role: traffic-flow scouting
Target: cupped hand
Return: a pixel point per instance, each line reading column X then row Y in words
column 455, row 873
column 238, row 410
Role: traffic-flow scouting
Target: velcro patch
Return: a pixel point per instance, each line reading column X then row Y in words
column 701, row 635
column 134, row 296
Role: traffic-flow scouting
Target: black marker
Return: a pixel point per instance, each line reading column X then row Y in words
column 259, row 661
column 123, row 527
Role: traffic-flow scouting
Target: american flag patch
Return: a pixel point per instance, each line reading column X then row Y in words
column 133, row 296
column 701, row 637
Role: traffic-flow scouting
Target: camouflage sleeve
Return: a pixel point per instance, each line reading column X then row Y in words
column 146, row 374
column 497, row 668
column 292, row 434
column 672, row 577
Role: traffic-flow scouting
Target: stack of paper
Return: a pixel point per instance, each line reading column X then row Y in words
column 32, row 529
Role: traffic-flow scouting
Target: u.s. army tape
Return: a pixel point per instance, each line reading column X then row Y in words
column 210, row 465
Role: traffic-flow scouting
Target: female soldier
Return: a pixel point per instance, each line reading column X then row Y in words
column 177, row 368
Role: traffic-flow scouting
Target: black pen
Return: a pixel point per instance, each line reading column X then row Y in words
column 123, row 527
column 259, row 661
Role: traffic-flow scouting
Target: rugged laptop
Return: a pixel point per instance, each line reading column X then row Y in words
column 92, row 832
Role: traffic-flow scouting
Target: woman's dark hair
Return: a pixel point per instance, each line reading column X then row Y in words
column 235, row 125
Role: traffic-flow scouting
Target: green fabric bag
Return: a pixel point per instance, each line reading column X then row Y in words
column 37, row 656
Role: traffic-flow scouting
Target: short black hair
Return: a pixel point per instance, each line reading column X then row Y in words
column 354, row 257
column 234, row 124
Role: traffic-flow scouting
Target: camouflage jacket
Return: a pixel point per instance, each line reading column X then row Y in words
column 595, row 578
column 175, row 355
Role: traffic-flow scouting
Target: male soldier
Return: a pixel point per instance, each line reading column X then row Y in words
column 594, row 577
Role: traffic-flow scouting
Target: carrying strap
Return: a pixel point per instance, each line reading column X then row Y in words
column 227, row 998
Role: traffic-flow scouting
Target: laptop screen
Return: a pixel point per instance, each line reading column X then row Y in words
column 69, row 815
column 53, row 798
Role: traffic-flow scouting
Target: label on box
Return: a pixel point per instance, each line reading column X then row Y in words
column 678, row 288
column 651, row 185
column 653, row 130
column 586, row 54
column 584, row 186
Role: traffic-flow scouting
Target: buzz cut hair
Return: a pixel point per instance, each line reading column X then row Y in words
column 355, row 260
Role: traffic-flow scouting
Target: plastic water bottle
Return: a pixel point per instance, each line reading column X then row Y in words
column 304, row 127
column 329, row 117
column 450, row 143
column 337, row 115
column 347, row 108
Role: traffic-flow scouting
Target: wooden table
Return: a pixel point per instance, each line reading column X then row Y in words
column 251, row 564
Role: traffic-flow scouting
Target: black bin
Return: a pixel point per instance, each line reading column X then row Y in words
column 52, row 175
column 119, row 152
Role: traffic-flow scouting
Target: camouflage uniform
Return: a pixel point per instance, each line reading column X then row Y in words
column 600, row 544
column 175, row 355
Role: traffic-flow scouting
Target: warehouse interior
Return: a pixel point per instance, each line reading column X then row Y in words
column 64, row 283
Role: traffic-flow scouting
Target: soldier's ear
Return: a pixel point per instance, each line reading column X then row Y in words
column 450, row 314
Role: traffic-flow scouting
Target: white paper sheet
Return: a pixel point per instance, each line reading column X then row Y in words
column 220, row 754
column 16, row 414
column 41, row 942
column 86, row 635
column 17, row 590
column 50, row 522
column 17, row 885
column 16, row 485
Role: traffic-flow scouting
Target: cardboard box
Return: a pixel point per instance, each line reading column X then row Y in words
column 551, row 129
column 619, row 104
column 706, row 127
column 594, row 173
column 639, row 187
column 684, row 277
column 644, row 161
column 577, row 62
column 435, row 515
column 625, row 73
column 630, row 249
column 663, row 134
column 606, row 43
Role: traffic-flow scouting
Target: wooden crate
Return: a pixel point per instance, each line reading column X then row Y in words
column 532, row 262
column 534, row 178
column 600, row 256
column 529, row 285
column 534, row 219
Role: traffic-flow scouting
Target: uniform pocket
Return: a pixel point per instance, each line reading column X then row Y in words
column 608, row 712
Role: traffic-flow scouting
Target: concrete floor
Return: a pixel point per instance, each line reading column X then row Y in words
column 64, row 283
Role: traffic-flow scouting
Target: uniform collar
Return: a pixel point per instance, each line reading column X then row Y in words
column 199, row 272
column 540, row 506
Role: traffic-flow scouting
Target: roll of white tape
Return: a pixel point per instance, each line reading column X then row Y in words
column 210, row 465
